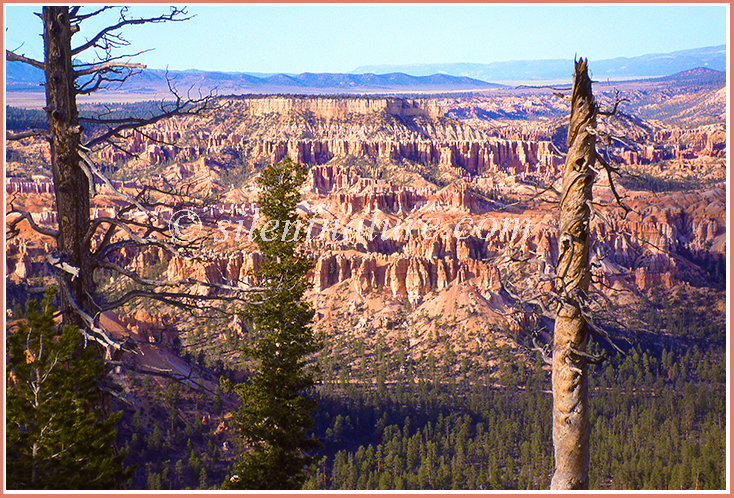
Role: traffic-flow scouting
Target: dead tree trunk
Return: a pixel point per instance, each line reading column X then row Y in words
column 570, row 376
column 85, row 244
column 70, row 180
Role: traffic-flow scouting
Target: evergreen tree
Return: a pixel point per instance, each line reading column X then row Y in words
column 53, row 437
column 276, row 416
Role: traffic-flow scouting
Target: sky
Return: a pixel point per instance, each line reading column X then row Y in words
column 297, row 38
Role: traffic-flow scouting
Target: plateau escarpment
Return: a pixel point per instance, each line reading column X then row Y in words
column 340, row 108
column 427, row 211
column 424, row 132
column 318, row 130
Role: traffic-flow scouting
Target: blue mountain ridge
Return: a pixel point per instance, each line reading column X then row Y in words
column 435, row 77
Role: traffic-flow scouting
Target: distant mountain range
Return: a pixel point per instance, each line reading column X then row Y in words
column 429, row 78
column 644, row 66
column 21, row 77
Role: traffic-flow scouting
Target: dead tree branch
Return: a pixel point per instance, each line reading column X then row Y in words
column 13, row 57
column 13, row 231
column 34, row 132
column 179, row 107
column 107, row 38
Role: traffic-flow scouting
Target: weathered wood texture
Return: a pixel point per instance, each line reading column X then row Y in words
column 72, row 184
column 570, row 374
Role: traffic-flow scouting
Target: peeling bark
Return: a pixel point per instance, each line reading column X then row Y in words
column 570, row 373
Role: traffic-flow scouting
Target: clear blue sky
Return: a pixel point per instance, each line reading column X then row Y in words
column 340, row 38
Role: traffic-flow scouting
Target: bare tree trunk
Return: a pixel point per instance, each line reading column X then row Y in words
column 70, row 181
column 570, row 376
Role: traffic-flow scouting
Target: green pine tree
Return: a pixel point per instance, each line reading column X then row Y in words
column 54, row 439
column 276, row 414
